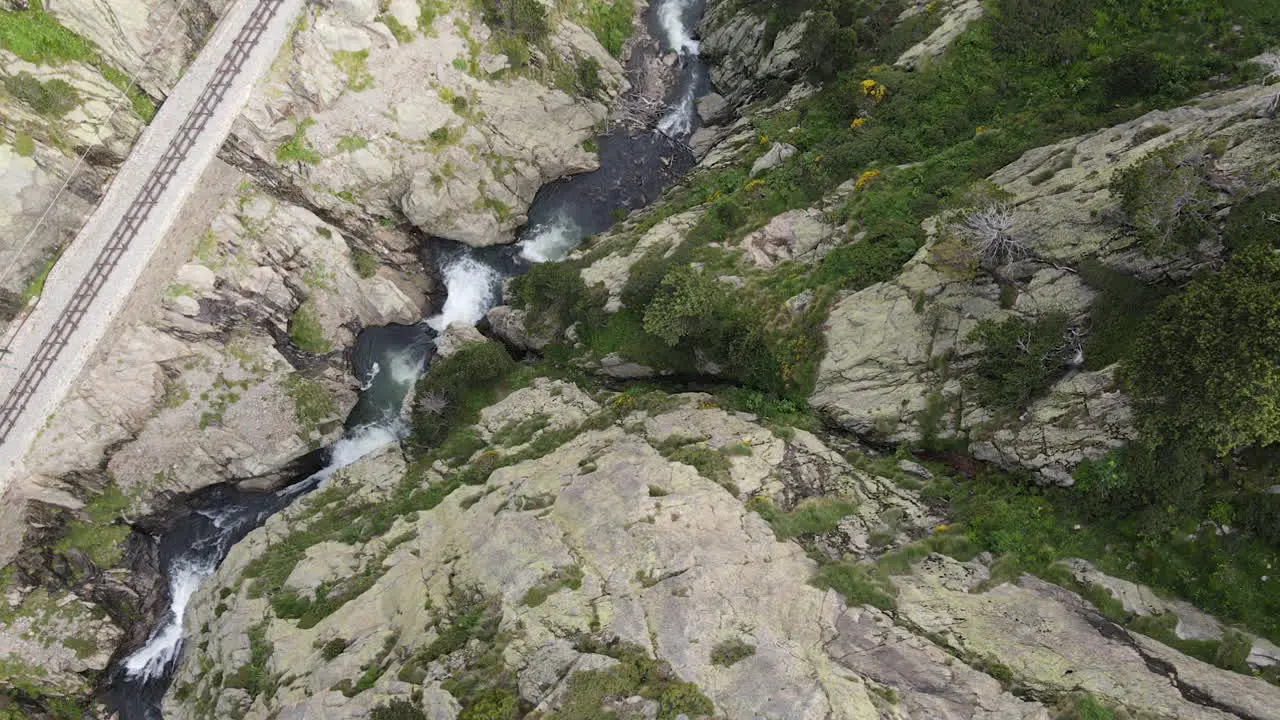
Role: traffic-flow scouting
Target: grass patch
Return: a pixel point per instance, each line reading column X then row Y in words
column 35, row 286
column 305, row 330
column 726, row 653
column 100, row 535
column 296, row 148
column 636, row 674
column 352, row 63
column 566, row 577
column 366, row 263
column 813, row 516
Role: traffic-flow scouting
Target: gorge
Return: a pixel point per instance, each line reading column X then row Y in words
column 581, row 359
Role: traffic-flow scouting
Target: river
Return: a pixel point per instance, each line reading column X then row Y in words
column 634, row 169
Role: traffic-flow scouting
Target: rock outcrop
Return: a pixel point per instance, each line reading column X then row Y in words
column 895, row 350
column 614, row 525
column 433, row 121
column 657, row 555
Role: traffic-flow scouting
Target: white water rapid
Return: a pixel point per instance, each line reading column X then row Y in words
column 672, row 17
column 675, row 18
column 154, row 658
column 472, row 288
column 550, row 241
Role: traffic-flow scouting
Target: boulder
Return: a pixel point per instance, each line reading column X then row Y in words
column 777, row 154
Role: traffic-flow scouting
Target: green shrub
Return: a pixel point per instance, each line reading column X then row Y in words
column 1089, row 708
column 366, row 263
column 397, row 709
column 728, row 652
column 52, row 98
column 1206, row 369
column 305, row 330
column 567, row 577
column 1165, row 198
column 1157, row 487
column 1254, row 221
column 333, row 648
column 554, row 296
column 463, row 383
column 525, row 19
column 635, row 674
column 1118, row 312
column 495, row 704
column 857, row 585
column 1019, row 359
column 587, row 77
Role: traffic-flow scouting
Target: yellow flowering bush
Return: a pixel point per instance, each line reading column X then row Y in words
column 857, row 123
column 873, row 90
column 865, row 179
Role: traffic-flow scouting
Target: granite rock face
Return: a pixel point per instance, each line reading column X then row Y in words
column 896, row 349
column 430, row 123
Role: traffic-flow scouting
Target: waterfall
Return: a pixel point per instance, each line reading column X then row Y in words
column 674, row 19
column 472, row 288
column 153, row 659
column 550, row 241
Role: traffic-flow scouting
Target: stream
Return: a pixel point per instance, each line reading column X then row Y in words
column 634, row 170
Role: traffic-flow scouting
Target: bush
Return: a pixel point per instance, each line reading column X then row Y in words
column 587, row 77
column 52, row 99
column 1165, row 199
column 1019, row 359
column 495, row 704
column 366, row 263
column 554, row 296
column 333, row 648
column 1118, row 312
column 1206, row 370
column 462, row 383
column 729, row 652
column 525, row 19
column 1254, row 221
column 1159, row 487
column 398, row 710
column 305, row 330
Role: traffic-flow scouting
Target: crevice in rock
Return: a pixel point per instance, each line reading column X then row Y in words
column 1190, row 693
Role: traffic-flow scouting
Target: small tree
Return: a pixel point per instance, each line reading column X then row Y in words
column 1019, row 359
column 1165, row 197
column 1206, row 369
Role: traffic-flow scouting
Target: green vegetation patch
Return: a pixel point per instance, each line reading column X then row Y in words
column 312, row 401
column 353, row 63
column 296, row 148
column 565, row 577
column 305, row 330
column 51, row 98
column 727, row 653
column 522, row 431
column 1206, row 369
column 35, row 286
column 102, row 532
column 610, row 22
column 1019, row 359
column 366, row 263
column 813, row 516
column 253, row 677
column 636, row 674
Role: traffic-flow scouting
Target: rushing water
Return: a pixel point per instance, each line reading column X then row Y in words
column 634, row 170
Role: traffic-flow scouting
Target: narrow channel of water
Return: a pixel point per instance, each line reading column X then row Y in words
column 634, row 170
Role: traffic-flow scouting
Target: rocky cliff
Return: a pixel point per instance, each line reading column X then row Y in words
column 612, row 562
